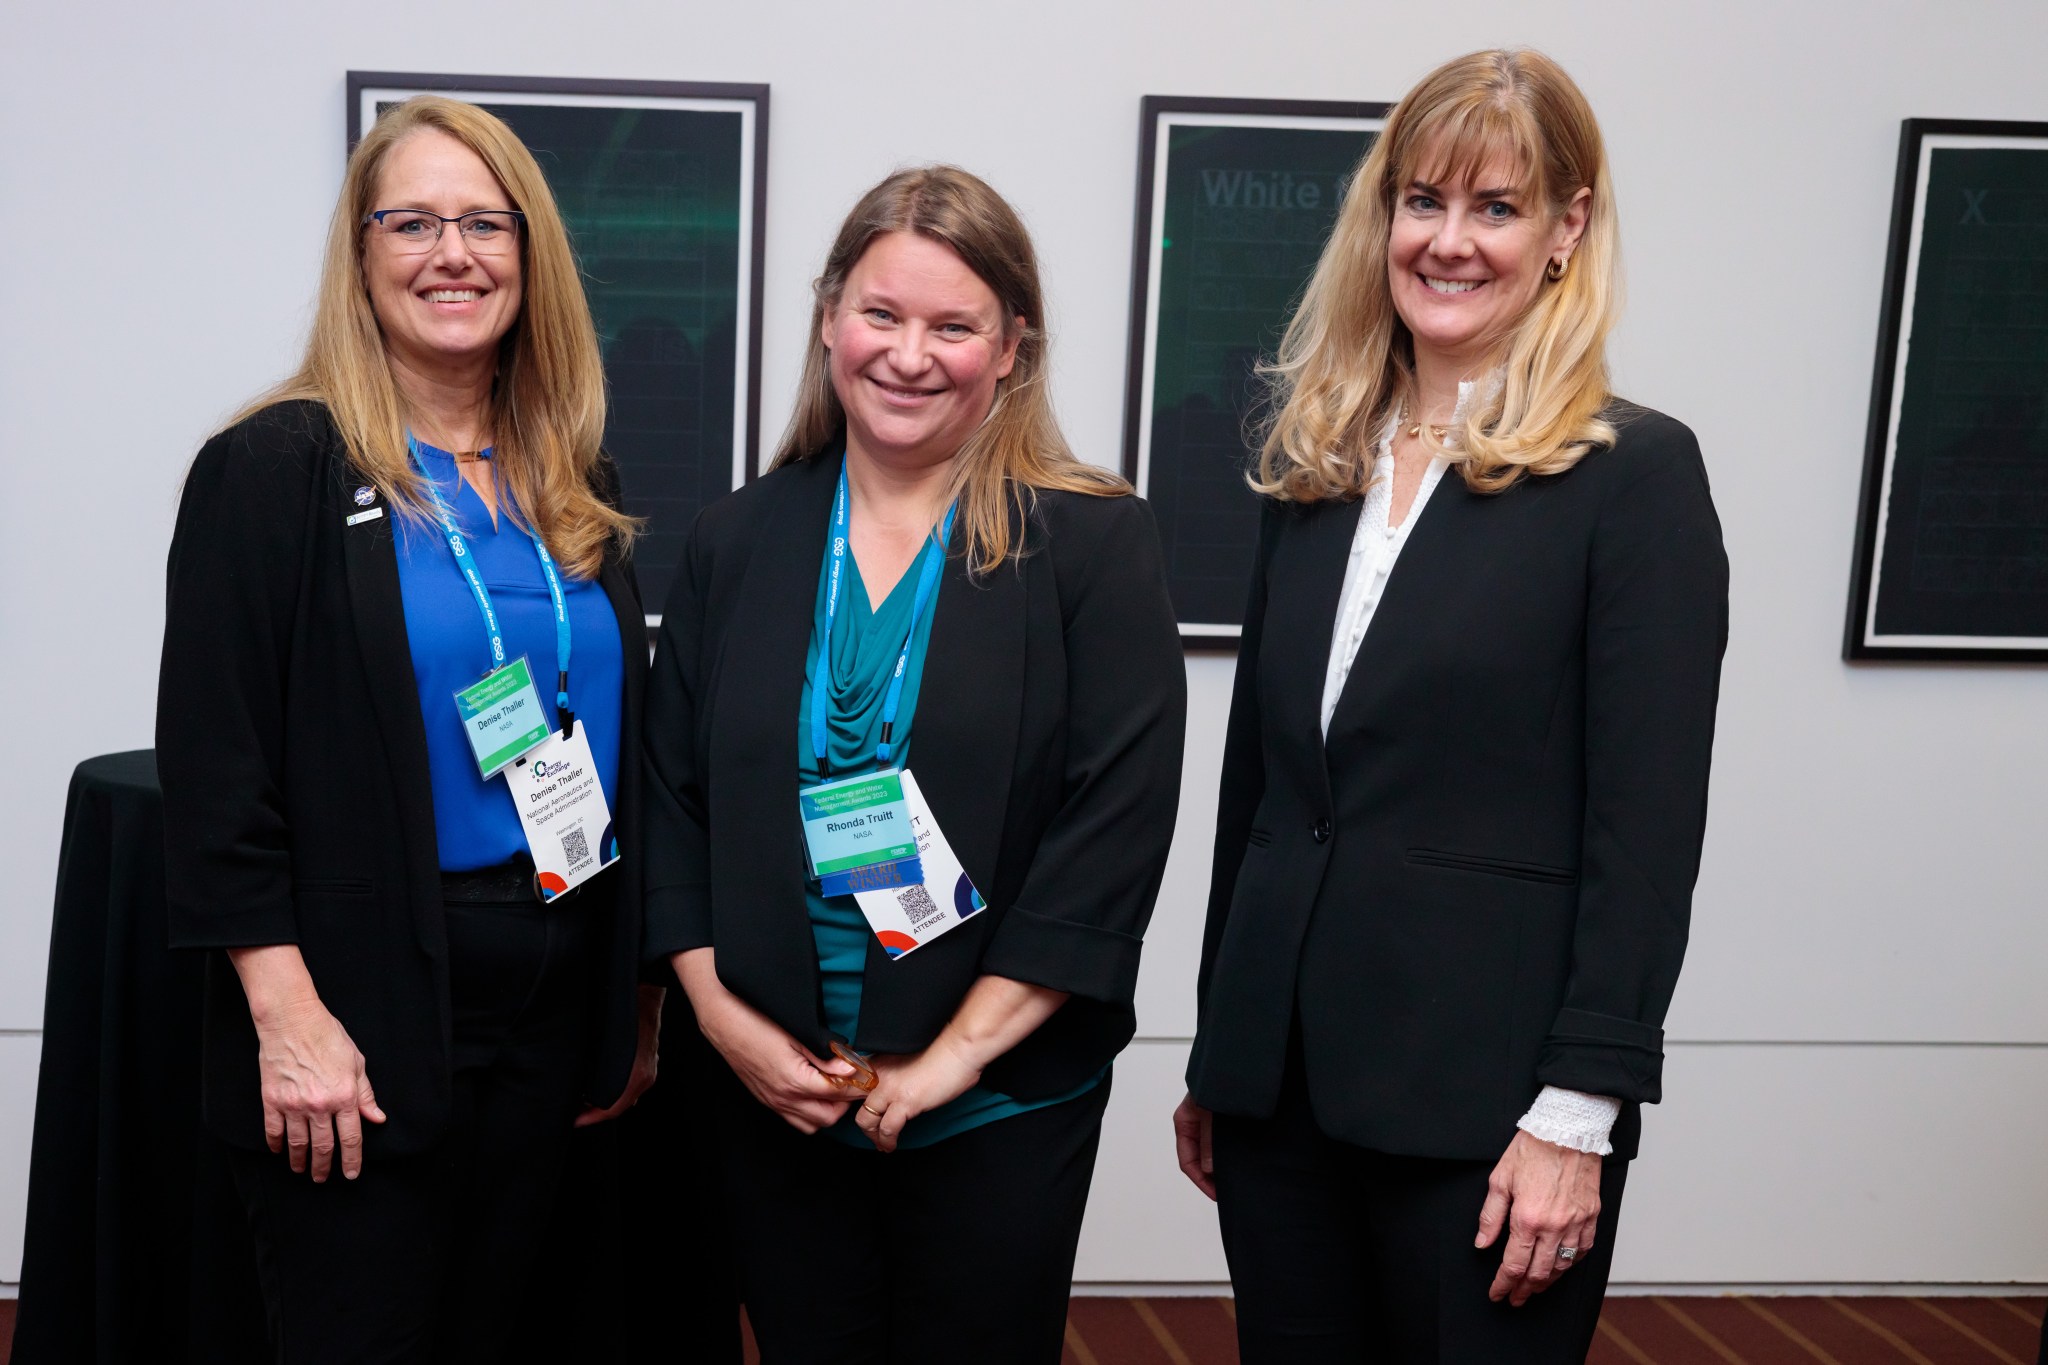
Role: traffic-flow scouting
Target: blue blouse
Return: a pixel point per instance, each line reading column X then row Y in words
column 865, row 645
column 475, row 821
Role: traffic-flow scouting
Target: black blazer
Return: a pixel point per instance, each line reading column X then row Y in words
column 1049, row 732
column 297, row 802
column 1480, row 884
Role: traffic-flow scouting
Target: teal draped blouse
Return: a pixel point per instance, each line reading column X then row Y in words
column 866, row 641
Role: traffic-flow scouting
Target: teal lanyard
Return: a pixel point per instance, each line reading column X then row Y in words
column 927, row 580
column 466, row 561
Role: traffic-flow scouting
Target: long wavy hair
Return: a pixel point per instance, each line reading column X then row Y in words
column 1018, row 450
column 547, row 404
column 1346, row 363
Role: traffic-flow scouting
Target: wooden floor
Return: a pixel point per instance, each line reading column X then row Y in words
column 1633, row 1331
column 1637, row 1331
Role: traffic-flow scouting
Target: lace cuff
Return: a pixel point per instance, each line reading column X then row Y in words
column 1572, row 1119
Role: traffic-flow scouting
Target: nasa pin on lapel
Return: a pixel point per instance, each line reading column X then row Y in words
column 366, row 495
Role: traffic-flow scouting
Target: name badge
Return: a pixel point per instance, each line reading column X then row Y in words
column 909, row 917
column 502, row 715
column 562, row 808
column 857, row 832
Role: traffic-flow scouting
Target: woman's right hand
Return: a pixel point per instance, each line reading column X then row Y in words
column 776, row 1069
column 316, row 1092
column 1192, row 1125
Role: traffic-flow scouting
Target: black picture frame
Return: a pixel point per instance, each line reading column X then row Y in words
column 1191, row 466
column 1952, row 524
column 682, row 352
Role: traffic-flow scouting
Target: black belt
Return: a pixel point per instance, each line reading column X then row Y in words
column 506, row 884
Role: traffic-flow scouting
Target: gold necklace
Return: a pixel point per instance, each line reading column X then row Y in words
column 1436, row 432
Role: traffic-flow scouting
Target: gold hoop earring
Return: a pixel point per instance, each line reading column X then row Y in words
column 1555, row 270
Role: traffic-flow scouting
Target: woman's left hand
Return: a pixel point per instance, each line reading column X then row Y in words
column 1548, row 1197
column 646, row 1061
column 908, row 1086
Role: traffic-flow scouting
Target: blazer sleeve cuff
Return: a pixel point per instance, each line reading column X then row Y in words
column 1080, row 959
column 678, row 919
column 1602, row 1054
column 254, row 928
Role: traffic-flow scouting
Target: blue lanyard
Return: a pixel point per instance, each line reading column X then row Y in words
column 927, row 579
column 466, row 561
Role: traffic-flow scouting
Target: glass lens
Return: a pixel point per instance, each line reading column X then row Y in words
column 408, row 231
column 490, row 232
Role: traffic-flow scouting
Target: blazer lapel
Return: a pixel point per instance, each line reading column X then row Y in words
column 1304, row 586
column 370, row 554
column 1408, row 609
column 616, row 578
column 969, row 707
column 758, row 689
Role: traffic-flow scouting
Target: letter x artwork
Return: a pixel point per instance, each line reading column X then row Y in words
column 1952, row 532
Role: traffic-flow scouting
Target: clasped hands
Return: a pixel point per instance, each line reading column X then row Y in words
column 811, row 1093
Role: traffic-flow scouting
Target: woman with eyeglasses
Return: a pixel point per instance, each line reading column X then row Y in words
column 398, row 738
column 915, row 742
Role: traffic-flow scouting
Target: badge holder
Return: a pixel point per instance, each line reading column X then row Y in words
column 502, row 716
column 857, row 832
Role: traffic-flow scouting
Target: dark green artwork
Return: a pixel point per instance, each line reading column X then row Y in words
column 1246, row 212
column 652, row 200
column 1965, row 547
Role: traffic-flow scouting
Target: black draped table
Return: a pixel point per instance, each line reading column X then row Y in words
column 136, row 1246
column 135, row 1249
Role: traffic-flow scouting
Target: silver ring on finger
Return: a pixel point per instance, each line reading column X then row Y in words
column 1567, row 1254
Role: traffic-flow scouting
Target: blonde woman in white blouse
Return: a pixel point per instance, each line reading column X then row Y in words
column 1464, row 782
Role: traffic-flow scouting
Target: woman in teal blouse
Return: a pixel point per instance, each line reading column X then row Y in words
column 865, row 644
column 967, row 629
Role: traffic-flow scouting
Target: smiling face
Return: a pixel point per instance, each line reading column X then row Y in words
column 918, row 342
column 449, row 307
column 1466, row 259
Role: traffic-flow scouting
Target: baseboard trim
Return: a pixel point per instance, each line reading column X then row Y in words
column 2000, row 1289
column 1152, row 1289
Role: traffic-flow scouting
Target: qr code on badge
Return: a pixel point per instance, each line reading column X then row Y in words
column 575, row 845
column 918, row 904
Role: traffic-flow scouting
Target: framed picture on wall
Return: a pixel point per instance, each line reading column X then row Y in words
column 663, row 186
column 1235, row 201
column 1952, row 532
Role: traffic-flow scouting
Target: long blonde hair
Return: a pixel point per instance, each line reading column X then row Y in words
column 1346, row 363
column 1019, row 450
column 547, row 405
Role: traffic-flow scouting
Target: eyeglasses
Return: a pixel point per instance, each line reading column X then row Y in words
column 488, row 232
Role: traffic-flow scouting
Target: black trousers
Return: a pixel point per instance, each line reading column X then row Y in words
column 432, row 1257
column 961, row 1251
column 640, row 1264
column 1341, row 1256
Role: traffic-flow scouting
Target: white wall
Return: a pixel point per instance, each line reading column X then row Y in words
column 165, row 173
